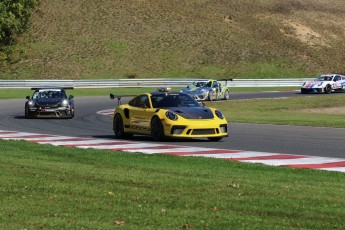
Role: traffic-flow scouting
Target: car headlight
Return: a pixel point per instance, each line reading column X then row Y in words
column 31, row 103
column 64, row 102
column 219, row 114
column 171, row 115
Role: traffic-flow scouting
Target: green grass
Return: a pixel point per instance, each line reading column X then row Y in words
column 88, row 39
column 46, row 187
column 290, row 111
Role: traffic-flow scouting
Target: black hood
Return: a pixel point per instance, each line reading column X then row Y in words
column 48, row 101
column 193, row 112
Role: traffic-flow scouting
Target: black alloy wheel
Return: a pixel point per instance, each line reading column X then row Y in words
column 157, row 130
column 118, row 126
column 226, row 95
column 28, row 114
column 328, row 89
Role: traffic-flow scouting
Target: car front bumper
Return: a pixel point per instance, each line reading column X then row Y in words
column 56, row 112
column 195, row 129
column 312, row 90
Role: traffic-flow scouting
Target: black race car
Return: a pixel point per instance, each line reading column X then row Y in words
column 49, row 102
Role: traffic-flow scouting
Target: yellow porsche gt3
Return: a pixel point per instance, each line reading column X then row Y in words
column 168, row 114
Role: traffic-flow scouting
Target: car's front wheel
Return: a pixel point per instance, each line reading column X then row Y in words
column 215, row 138
column 28, row 114
column 71, row 112
column 157, row 130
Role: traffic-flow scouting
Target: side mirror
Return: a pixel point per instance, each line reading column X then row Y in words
column 202, row 104
column 28, row 97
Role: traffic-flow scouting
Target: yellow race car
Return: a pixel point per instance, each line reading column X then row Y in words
column 164, row 114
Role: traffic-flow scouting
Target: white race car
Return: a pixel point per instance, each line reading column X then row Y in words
column 327, row 83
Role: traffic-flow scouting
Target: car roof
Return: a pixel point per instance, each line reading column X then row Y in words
column 204, row 80
column 51, row 88
column 166, row 93
column 331, row 75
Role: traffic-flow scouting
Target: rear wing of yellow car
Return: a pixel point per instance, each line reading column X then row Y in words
column 118, row 97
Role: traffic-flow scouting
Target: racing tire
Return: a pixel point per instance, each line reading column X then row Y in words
column 157, row 129
column 28, row 115
column 226, row 95
column 215, row 138
column 71, row 112
column 210, row 96
column 328, row 89
column 118, row 126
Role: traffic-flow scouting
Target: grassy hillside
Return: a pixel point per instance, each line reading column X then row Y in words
column 168, row 38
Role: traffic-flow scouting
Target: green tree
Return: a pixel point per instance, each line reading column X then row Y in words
column 14, row 20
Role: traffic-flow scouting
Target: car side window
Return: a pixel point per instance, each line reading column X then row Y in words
column 133, row 102
column 140, row 101
column 144, row 101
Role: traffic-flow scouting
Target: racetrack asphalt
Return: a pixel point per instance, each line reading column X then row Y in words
column 295, row 140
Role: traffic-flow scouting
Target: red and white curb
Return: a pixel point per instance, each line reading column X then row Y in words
column 274, row 159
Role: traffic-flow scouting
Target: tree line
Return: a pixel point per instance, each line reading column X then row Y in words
column 14, row 20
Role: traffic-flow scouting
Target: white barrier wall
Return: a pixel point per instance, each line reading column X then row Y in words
column 141, row 83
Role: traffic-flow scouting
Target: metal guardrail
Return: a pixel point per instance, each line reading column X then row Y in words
column 141, row 83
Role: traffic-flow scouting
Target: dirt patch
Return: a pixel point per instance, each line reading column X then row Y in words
column 305, row 34
column 332, row 110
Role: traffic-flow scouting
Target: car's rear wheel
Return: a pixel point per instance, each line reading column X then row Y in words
column 328, row 89
column 118, row 126
column 226, row 95
column 157, row 130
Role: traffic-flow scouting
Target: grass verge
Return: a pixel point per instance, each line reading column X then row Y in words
column 67, row 188
column 308, row 111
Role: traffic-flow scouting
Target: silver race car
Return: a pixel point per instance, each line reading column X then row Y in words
column 210, row 90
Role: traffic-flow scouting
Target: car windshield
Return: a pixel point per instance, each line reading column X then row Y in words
column 45, row 94
column 325, row 78
column 202, row 84
column 173, row 100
